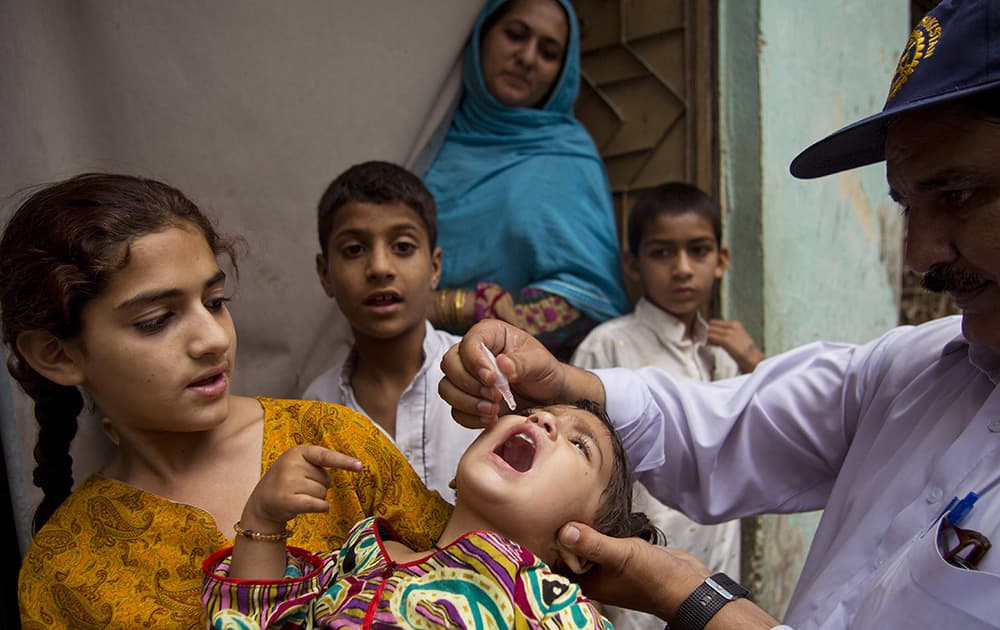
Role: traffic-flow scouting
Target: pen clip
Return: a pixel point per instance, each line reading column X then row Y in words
column 960, row 510
column 941, row 514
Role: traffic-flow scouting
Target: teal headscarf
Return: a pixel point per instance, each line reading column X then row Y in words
column 523, row 199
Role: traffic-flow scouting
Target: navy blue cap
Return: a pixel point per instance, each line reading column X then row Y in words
column 954, row 52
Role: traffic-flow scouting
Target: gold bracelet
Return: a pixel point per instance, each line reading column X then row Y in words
column 442, row 308
column 459, row 309
column 261, row 537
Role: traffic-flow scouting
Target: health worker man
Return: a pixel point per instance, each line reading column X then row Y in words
column 897, row 440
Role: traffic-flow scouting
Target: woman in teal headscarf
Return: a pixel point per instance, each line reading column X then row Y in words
column 524, row 207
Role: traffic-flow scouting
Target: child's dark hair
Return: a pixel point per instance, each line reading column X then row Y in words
column 673, row 198
column 614, row 514
column 58, row 251
column 379, row 183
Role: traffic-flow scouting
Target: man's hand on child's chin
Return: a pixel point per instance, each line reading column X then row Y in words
column 632, row 573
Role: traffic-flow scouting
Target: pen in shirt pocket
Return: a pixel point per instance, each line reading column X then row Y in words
column 962, row 548
column 957, row 513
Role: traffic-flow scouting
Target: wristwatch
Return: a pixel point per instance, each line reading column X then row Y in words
column 706, row 600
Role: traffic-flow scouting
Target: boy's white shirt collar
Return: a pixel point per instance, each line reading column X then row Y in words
column 668, row 327
column 347, row 391
column 352, row 357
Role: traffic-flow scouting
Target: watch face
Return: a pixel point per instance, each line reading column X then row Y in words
column 732, row 588
column 719, row 588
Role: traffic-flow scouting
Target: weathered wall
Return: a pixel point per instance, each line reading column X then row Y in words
column 811, row 259
column 831, row 246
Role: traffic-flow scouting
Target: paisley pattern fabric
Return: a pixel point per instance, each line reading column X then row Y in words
column 482, row 580
column 114, row 556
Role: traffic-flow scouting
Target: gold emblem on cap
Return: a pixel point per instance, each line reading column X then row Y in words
column 923, row 40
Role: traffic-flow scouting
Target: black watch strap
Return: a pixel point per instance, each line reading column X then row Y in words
column 706, row 600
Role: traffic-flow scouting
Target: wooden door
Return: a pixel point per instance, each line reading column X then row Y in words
column 648, row 94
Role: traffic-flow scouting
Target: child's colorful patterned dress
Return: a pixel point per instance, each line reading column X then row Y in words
column 482, row 580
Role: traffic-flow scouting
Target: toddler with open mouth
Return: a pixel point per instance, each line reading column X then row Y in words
column 496, row 560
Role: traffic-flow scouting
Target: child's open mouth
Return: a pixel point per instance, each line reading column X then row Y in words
column 518, row 451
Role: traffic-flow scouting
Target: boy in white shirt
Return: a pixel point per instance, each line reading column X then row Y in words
column 380, row 262
column 675, row 254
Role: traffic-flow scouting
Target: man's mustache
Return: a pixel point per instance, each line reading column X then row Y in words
column 943, row 278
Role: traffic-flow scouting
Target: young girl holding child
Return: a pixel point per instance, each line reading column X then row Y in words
column 517, row 484
column 110, row 290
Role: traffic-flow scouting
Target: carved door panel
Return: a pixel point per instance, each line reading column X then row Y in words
column 648, row 92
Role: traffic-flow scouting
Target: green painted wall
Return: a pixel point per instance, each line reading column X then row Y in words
column 831, row 246
column 815, row 259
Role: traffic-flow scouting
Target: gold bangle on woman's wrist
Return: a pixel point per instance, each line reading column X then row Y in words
column 259, row 536
column 449, row 308
column 459, row 312
column 441, row 308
